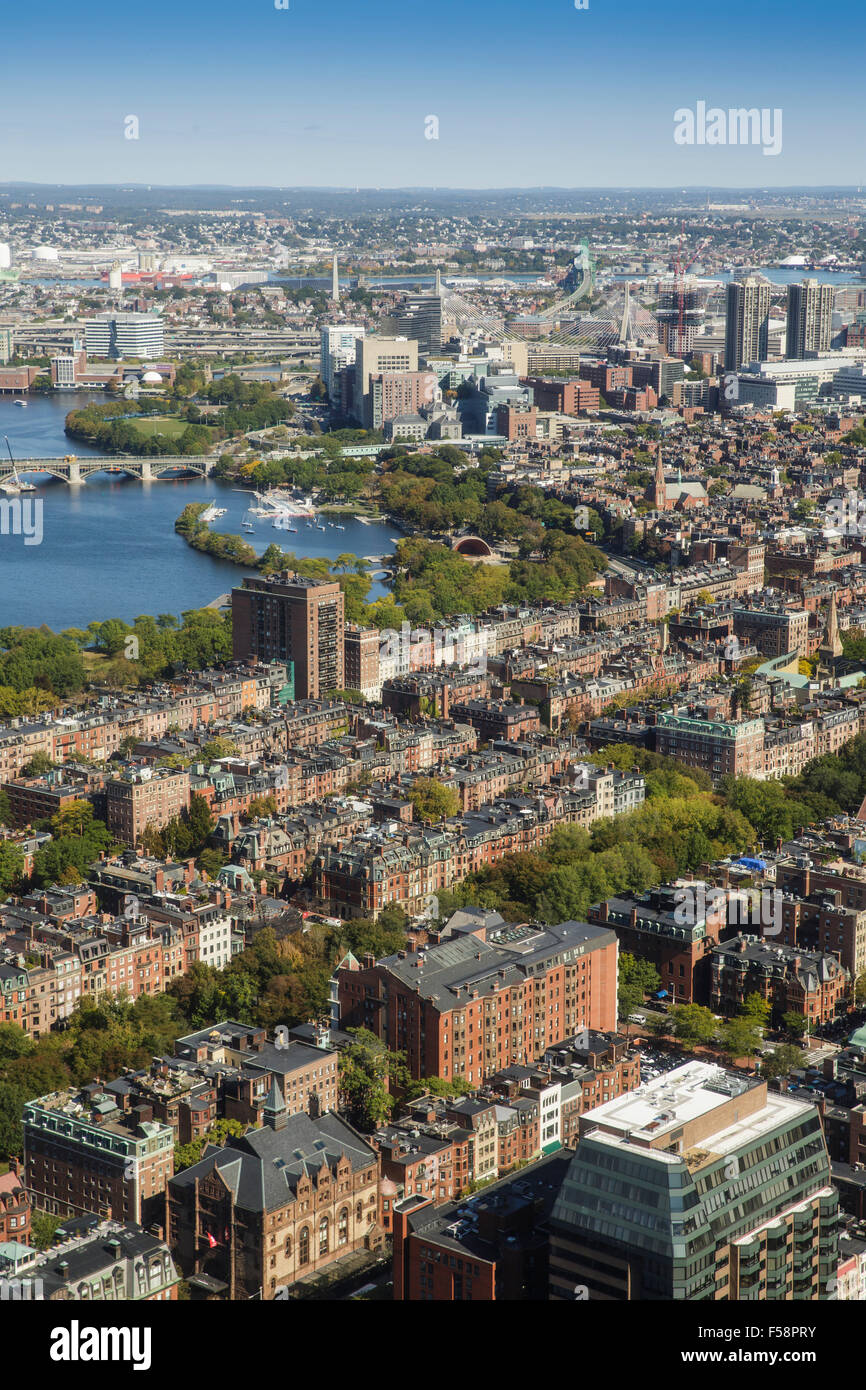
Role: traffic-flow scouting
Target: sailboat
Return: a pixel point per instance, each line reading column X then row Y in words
column 12, row 486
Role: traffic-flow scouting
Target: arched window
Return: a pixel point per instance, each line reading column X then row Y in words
column 323, row 1236
column 359, row 1211
column 304, row 1246
column 343, row 1227
column 288, row 1247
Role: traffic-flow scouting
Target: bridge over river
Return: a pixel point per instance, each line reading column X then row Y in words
column 71, row 469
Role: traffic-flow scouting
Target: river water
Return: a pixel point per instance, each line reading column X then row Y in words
column 109, row 549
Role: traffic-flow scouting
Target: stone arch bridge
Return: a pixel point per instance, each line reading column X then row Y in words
column 72, row 469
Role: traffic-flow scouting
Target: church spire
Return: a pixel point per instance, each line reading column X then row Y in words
column 274, row 1112
column 832, row 642
column 659, row 492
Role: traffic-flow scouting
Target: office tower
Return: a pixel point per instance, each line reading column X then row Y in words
column 372, row 357
column 5, row 256
column 701, row 1185
column 678, row 338
column 419, row 317
column 337, row 351
column 810, row 319
column 747, row 320
column 335, row 282
column 7, row 347
column 286, row 617
column 125, row 335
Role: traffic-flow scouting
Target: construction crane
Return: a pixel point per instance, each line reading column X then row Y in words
column 680, row 272
column 674, row 311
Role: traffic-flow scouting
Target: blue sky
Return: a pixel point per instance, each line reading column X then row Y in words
column 330, row 92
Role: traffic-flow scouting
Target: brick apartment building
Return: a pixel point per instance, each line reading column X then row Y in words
column 494, row 1246
column 514, row 423
column 565, row 397
column 811, row 984
column 497, row 720
column 15, row 1208
column 605, row 377
column 83, row 1155
column 471, row 1006
column 287, row 617
column 775, row 632
column 40, row 798
column 361, row 660
column 145, row 796
column 714, row 746
column 654, row 926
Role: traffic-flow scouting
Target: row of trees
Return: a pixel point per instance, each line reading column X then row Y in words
column 667, row 836
column 40, row 668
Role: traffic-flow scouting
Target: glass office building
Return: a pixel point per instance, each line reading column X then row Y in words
column 701, row 1185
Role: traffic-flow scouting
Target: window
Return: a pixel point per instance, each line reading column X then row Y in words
column 359, row 1211
column 343, row 1227
column 304, row 1246
column 323, row 1236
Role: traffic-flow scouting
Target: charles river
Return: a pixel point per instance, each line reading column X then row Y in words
column 109, row 548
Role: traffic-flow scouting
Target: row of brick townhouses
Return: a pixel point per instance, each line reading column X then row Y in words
column 48, row 964
column 410, row 866
column 62, row 948
column 205, row 698
column 439, row 1147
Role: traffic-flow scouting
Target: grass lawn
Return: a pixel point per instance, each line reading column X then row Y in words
column 169, row 425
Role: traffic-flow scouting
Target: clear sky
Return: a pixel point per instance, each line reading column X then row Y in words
column 336, row 92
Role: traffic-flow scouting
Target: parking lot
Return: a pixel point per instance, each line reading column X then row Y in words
column 655, row 1063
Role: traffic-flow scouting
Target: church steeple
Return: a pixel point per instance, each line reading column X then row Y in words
column 658, row 493
column 832, row 643
column 274, row 1112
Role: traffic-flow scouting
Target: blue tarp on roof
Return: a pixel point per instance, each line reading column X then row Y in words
column 758, row 864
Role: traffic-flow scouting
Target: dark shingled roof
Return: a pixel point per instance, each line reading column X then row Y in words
column 263, row 1167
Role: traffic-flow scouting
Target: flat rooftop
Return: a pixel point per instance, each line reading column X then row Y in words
column 671, row 1100
column 686, row 1094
